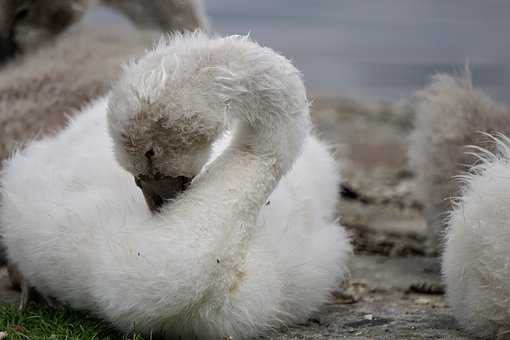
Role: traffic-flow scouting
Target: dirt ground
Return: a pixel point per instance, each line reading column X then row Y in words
column 394, row 289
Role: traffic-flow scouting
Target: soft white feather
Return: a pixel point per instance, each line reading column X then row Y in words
column 251, row 245
column 477, row 258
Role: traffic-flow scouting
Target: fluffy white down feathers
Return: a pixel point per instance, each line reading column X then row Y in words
column 251, row 245
column 476, row 257
column 463, row 181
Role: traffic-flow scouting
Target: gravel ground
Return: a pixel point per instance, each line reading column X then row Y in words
column 386, row 298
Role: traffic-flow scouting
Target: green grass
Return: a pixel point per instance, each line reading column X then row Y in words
column 39, row 322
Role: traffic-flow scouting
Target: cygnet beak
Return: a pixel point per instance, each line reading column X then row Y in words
column 158, row 189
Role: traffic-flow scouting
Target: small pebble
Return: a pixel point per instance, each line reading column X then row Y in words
column 422, row 301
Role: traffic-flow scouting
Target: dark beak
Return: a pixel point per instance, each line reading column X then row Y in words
column 7, row 49
column 159, row 189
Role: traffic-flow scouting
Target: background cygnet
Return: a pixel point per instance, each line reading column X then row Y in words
column 462, row 179
column 174, row 15
column 27, row 25
column 450, row 115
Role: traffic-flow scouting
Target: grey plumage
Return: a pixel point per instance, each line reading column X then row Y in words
column 450, row 115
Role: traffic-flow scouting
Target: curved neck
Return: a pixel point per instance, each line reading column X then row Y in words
column 231, row 190
column 224, row 82
column 269, row 128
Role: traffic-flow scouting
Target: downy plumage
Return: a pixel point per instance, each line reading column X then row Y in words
column 476, row 258
column 462, row 176
column 250, row 245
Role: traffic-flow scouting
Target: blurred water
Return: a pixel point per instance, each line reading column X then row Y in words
column 383, row 48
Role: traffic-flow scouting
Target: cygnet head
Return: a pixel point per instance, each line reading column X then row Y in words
column 25, row 25
column 170, row 106
column 161, row 123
